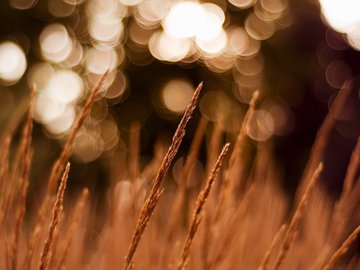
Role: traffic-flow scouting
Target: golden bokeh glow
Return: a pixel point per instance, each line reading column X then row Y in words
column 344, row 17
column 12, row 62
column 55, row 43
column 176, row 95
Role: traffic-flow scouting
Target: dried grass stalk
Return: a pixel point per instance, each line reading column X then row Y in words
column 227, row 186
column 67, row 149
column 293, row 227
column 74, row 223
column 4, row 165
column 276, row 240
column 322, row 137
column 352, row 168
column 24, row 180
column 57, row 209
column 31, row 249
column 342, row 249
column 200, row 202
column 180, row 194
column 151, row 202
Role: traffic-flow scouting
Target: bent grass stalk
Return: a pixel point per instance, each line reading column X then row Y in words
column 294, row 223
column 197, row 214
column 57, row 209
column 342, row 249
column 155, row 193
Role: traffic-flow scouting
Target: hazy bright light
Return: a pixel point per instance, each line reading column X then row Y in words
column 167, row 48
column 63, row 122
column 354, row 36
column 55, row 43
column 261, row 126
column 191, row 19
column 151, row 12
column 65, row 86
column 88, row 145
column 108, row 30
column 47, row 109
column 12, row 62
column 211, row 26
column 184, row 19
column 341, row 15
column 101, row 9
column 98, row 60
column 176, row 95
column 39, row 75
column 213, row 46
column 238, row 40
column 259, row 29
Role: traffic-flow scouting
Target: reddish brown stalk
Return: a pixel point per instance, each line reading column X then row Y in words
column 57, row 209
column 67, row 149
column 339, row 253
column 74, row 223
column 180, row 194
column 200, row 202
column 4, row 163
column 4, row 167
column 322, row 137
column 295, row 221
column 276, row 240
column 24, row 180
column 228, row 186
column 213, row 148
column 352, row 168
column 155, row 193
column 31, row 249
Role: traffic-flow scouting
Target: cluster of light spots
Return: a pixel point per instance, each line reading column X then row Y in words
column 195, row 31
column 151, row 12
column 167, row 48
column 344, row 17
column 103, row 34
column 12, row 62
column 176, row 95
column 261, row 126
column 259, row 29
column 98, row 60
column 55, row 43
column 88, row 145
column 58, row 92
column 105, row 21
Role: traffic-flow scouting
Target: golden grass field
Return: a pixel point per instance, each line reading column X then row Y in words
column 240, row 219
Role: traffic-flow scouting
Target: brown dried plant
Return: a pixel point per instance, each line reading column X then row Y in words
column 57, row 209
column 200, row 202
column 250, row 222
column 156, row 191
